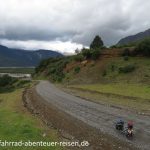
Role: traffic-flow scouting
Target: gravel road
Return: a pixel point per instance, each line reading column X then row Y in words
column 96, row 115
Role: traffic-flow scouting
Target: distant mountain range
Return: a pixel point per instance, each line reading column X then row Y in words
column 134, row 38
column 24, row 58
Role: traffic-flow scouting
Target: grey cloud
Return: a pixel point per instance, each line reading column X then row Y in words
column 77, row 20
column 23, row 33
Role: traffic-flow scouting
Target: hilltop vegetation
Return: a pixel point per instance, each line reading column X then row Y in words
column 54, row 67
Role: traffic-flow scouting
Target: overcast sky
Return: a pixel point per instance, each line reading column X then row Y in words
column 65, row 25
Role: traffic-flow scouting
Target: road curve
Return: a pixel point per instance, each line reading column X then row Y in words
column 96, row 115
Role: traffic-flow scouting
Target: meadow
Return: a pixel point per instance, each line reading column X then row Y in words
column 17, row 124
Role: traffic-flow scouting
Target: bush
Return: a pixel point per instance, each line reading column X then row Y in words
column 22, row 83
column 127, row 69
column 104, row 73
column 143, row 48
column 112, row 67
column 126, row 58
column 52, row 70
column 79, row 57
column 126, row 52
column 87, row 53
column 92, row 65
column 91, row 53
column 55, row 68
column 6, row 81
column 95, row 54
column 113, row 46
column 77, row 69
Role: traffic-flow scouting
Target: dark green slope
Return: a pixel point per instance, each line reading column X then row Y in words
column 134, row 38
column 23, row 58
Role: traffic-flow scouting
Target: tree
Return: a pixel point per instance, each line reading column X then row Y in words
column 77, row 51
column 97, row 43
column 143, row 47
column 5, row 80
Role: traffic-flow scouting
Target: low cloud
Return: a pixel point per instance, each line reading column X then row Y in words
column 63, row 47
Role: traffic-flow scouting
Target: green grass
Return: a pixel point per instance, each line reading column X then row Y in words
column 17, row 70
column 40, row 77
column 17, row 124
column 133, row 96
column 131, row 90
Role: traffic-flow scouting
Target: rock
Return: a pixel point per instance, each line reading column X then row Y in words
column 66, row 135
column 44, row 134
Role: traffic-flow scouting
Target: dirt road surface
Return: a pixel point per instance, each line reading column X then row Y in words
column 98, row 116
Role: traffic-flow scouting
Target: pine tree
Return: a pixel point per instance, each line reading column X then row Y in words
column 97, row 43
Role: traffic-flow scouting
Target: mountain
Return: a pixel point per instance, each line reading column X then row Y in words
column 134, row 38
column 22, row 58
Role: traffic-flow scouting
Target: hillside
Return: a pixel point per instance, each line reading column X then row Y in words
column 23, row 58
column 110, row 67
column 134, row 38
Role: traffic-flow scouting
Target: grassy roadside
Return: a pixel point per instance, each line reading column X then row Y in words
column 131, row 90
column 131, row 96
column 17, row 124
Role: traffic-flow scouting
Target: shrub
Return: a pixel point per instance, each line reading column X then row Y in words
column 79, row 57
column 22, row 83
column 126, row 58
column 127, row 69
column 95, row 54
column 112, row 67
column 113, row 46
column 7, row 83
column 126, row 52
column 86, row 53
column 52, row 70
column 143, row 48
column 5, row 80
column 91, row 53
column 92, row 65
column 77, row 69
column 104, row 73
